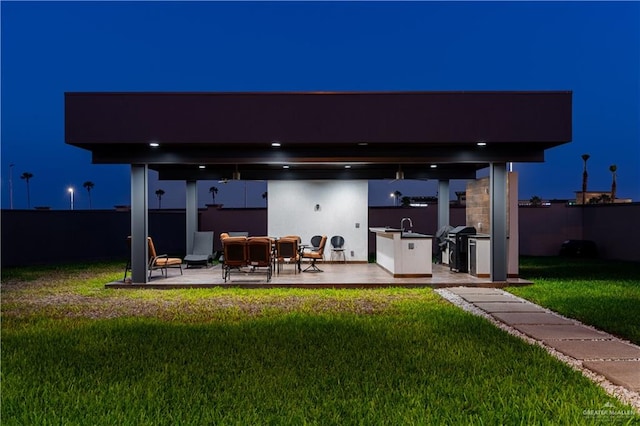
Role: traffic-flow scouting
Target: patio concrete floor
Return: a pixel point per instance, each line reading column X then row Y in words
column 334, row 275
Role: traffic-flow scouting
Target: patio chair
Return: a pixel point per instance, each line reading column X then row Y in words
column 337, row 248
column 161, row 261
column 314, row 255
column 202, row 251
column 259, row 255
column 287, row 251
column 234, row 255
column 156, row 261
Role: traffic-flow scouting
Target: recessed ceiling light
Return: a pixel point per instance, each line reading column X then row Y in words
column 434, row 166
column 202, row 167
column 481, row 144
column 275, row 144
column 347, row 166
column 154, row 144
column 285, row 167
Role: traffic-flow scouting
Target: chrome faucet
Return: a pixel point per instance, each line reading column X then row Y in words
column 402, row 223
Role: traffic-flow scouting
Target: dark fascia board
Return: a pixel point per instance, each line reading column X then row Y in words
column 315, row 172
column 392, row 153
column 539, row 117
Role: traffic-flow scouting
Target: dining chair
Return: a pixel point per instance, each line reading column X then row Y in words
column 337, row 248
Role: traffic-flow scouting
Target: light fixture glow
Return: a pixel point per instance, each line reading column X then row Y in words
column 481, row 144
column 434, row 166
column 71, row 194
column 275, row 144
column 154, row 144
column 347, row 166
column 285, row 167
column 201, row 166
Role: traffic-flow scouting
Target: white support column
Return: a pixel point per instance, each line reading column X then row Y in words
column 192, row 212
column 443, row 203
column 139, row 223
column 498, row 212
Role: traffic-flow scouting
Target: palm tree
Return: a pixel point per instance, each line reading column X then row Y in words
column 535, row 201
column 159, row 194
column 26, row 176
column 213, row 190
column 89, row 186
column 585, row 176
column 612, row 169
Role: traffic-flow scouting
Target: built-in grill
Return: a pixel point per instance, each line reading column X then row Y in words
column 458, row 247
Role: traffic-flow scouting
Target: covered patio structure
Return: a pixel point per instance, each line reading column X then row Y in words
column 318, row 136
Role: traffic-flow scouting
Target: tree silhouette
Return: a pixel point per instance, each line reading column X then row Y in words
column 265, row 195
column 89, row 186
column 159, row 194
column 213, row 190
column 26, row 176
column 612, row 169
column 535, row 201
column 585, row 176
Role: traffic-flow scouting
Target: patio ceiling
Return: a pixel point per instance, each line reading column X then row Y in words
column 321, row 135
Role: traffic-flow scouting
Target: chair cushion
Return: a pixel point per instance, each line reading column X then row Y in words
column 168, row 261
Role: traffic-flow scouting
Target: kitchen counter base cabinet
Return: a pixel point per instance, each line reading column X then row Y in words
column 403, row 254
column 479, row 251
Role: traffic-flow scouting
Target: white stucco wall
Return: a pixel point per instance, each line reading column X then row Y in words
column 342, row 205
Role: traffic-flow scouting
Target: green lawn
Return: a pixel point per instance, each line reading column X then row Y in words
column 74, row 353
column 604, row 294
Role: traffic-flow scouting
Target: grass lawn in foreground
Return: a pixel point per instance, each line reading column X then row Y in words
column 76, row 353
column 604, row 294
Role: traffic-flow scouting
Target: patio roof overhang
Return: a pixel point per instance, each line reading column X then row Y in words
column 322, row 135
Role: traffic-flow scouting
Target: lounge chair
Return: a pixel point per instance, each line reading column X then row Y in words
column 202, row 251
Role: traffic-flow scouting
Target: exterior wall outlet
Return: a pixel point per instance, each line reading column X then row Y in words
column 352, row 253
column 357, row 225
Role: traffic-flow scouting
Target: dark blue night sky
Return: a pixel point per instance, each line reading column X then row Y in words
column 48, row 48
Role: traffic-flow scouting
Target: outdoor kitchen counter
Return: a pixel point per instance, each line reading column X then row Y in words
column 403, row 254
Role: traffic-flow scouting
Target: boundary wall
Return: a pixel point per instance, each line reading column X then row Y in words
column 39, row 237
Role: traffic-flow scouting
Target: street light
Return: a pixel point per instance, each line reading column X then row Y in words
column 11, row 185
column 71, row 194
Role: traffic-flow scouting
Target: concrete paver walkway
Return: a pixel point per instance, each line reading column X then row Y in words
column 597, row 351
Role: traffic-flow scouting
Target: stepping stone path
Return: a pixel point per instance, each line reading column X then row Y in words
column 618, row 361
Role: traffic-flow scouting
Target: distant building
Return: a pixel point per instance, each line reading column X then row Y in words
column 598, row 197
